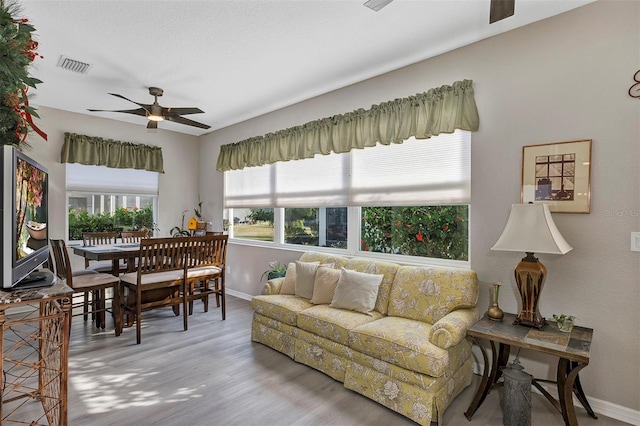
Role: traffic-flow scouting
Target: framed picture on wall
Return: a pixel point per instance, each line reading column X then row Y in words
column 558, row 174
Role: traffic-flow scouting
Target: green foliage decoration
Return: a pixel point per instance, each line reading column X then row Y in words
column 133, row 219
column 17, row 51
column 261, row 215
column 430, row 231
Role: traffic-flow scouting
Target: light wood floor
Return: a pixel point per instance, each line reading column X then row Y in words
column 213, row 374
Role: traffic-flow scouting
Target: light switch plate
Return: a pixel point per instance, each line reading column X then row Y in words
column 635, row 241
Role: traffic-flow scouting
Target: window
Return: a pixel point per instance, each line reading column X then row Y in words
column 354, row 201
column 105, row 199
column 320, row 227
column 429, row 231
column 253, row 224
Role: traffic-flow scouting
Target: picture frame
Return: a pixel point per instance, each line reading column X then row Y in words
column 559, row 175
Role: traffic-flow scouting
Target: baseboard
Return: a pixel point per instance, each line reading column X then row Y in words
column 238, row 294
column 599, row 406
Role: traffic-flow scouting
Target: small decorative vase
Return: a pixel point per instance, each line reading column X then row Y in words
column 566, row 325
column 495, row 313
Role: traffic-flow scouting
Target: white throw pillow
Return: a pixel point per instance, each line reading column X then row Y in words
column 356, row 291
column 305, row 276
column 324, row 285
column 289, row 283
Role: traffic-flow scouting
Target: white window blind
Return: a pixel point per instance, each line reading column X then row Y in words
column 313, row 182
column 249, row 187
column 416, row 172
column 107, row 180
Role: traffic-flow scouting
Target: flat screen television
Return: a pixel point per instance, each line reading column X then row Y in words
column 25, row 214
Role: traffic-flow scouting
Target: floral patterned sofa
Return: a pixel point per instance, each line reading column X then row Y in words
column 409, row 354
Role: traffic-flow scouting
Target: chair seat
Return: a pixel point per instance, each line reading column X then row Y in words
column 131, row 278
column 203, row 271
column 97, row 281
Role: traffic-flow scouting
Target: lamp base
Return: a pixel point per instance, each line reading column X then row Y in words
column 530, row 275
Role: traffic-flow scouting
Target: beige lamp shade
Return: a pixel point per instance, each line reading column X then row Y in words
column 531, row 229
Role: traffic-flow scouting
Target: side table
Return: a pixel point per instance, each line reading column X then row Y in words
column 34, row 348
column 572, row 350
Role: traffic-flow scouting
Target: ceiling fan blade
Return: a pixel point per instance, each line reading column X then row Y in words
column 147, row 106
column 182, row 120
column 376, row 5
column 501, row 9
column 152, row 124
column 183, row 111
column 138, row 111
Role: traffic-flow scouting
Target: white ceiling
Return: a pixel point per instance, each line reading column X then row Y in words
column 237, row 59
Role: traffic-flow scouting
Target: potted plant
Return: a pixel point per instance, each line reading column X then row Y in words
column 565, row 322
column 276, row 270
column 200, row 222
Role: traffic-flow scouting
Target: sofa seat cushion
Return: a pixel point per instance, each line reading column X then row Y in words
column 331, row 323
column 284, row 308
column 405, row 343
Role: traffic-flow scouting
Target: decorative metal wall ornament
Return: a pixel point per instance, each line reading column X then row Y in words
column 634, row 91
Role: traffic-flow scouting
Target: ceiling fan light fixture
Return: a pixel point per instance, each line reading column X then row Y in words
column 154, row 117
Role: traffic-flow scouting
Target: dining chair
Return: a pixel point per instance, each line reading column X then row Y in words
column 158, row 281
column 206, row 265
column 93, row 282
column 129, row 237
column 98, row 239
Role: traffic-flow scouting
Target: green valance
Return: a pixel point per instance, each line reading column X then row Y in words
column 91, row 150
column 439, row 110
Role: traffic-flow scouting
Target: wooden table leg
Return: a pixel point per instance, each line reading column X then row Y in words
column 116, row 307
column 566, row 376
column 490, row 375
column 577, row 389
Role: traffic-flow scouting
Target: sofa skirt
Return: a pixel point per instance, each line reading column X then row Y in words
column 273, row 333
column 329, row 357
column 403, row 395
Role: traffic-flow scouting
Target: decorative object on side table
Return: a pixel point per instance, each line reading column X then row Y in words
column 565, row 322
column 531, row 229
column 495, row 313
column 276, row 270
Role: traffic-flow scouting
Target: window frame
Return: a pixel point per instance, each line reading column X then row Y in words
column 353, row 245
column 147, row 187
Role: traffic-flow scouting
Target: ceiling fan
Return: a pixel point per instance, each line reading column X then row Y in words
column 498, row 10
column 156, row 112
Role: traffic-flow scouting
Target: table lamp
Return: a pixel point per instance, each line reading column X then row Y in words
column 531, row 229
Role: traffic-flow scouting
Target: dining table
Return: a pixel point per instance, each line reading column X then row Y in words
column 113, row 252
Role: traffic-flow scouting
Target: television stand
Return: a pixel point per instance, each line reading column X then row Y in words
column 34, row 348
column 36, row 279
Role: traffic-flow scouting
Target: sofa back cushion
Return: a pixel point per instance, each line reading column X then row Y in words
column 376, row 267
column 428, row 294
column 323, row 258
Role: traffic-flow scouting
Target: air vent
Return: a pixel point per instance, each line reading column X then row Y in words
column 73, row 65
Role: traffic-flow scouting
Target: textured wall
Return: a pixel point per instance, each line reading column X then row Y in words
column 561, row 79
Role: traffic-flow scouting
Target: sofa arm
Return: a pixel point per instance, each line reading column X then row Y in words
column 273, row 286
column 452, row 328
